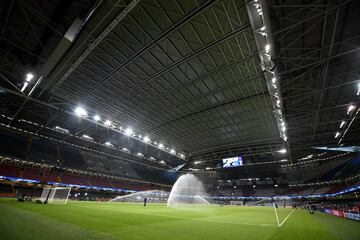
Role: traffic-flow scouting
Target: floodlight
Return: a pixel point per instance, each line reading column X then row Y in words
column 163, row 162
column 140, row 154
column 29, row 77
column 337, row 134
column 128, row 131
column 87, row 137
column 161, row 146
column 108, row 144
column 263, row 28
column 282, row 150
column 276, row 185
column 267, row 48
column 107, row 123
column 80, row 112
column 97, row 118
column 182, row 155
column 208, row 168
column 25, row 85
column 146, row 139
column 350, row 108
column 63, row 130
column 172, row 151
column 273, row 80
column 342, row 124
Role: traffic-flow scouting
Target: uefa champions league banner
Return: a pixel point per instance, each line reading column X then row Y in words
column 352, row 216
column 343, row 214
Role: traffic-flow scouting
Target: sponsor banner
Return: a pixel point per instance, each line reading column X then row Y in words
column 338, row 213
column 328, row 211
column 352, row 216
column 343, row 214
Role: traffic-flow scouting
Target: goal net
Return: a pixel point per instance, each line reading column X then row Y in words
column 55, row 195
column 278, row 210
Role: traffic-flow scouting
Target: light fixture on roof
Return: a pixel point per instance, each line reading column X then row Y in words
column 172, row 151
column 273, row 80
column 163, row 162
column 125, row 149
column 197, row 162
column 109, row 144
column 263, row 28
column 284, row 160
column 29, row 77
column 358, row 92
column 152, row 158
column 267, row 48
column 97, row 118
column 146, row 139
column 108, row 123
column 161, row 146
column 128, row 131
column 80, row 112
column 350, row 108
column 60, row 129
column 337, row 134
column 87, row 137
column 140, row 154
column 282, row 150
column 25, row 85
column 182, row 155
column 342, row 124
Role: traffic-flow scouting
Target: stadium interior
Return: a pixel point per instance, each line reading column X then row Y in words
column 107, row 106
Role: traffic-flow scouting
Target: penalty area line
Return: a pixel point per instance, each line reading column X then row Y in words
column 286, row 218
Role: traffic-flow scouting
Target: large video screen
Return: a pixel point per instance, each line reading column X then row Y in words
column 233, row 162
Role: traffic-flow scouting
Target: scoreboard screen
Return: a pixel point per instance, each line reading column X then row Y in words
column 233, row 162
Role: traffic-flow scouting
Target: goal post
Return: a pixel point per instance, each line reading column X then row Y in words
column 55, row 195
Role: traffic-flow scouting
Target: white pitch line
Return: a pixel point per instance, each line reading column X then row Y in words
column 286, row 218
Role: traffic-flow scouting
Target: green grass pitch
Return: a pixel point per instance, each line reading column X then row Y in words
column 95, row 220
